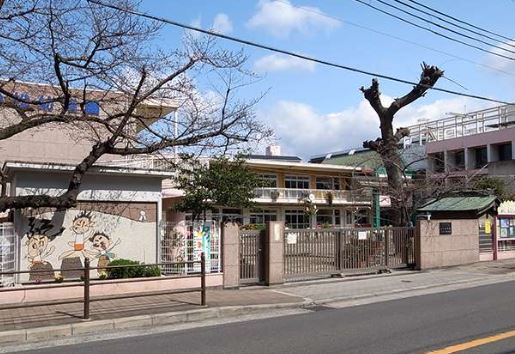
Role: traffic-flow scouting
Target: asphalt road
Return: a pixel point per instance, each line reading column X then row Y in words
column 412, row 325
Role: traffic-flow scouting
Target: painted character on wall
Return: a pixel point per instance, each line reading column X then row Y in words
column 102, row 246
column 72, row 259
column 39, row 248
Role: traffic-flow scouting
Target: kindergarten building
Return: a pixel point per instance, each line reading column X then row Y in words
column 119, row 208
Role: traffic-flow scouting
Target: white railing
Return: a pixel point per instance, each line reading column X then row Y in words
column 144, row 161
column 459, row 125
column 290, row 195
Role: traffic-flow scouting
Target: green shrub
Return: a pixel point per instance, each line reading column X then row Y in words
column 136, row 270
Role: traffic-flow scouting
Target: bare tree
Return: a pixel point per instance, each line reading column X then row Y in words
column 78, row 53
column 387, row 144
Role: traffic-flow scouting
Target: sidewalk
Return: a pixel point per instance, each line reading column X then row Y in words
column 404, row 281
column 51, row 315
column 51, row 321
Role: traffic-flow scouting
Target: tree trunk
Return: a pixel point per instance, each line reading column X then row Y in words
column 387, row 145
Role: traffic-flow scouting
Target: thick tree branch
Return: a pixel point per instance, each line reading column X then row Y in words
column 373, row 96
column 428, row 78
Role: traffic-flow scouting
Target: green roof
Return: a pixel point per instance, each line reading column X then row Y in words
column 477, row 204
column 370, row 159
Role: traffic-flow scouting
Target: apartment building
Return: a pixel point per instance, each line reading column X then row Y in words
column 471, row 144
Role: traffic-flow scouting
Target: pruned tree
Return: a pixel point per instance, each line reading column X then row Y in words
column 78, row 52
column 387, row 144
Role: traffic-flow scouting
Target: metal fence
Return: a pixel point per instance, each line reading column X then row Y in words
column 318, row 252
column 185, row 241
column 86, row 282
column 251, row 256
column 7, row 253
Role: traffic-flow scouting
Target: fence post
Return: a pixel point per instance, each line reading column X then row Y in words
column 203, row 279
column 339, row 236
column 386, row 246
column 86, row 288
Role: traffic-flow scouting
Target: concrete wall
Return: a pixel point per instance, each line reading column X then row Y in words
column 433, row 250
column 482, row 139
column 117, row 217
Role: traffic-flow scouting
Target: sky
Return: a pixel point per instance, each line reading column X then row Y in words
column 315, row 109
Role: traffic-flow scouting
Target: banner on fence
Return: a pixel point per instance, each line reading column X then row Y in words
column 202, row 243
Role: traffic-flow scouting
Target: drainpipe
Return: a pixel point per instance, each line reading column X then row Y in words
column 376, row 205
column 376, row 208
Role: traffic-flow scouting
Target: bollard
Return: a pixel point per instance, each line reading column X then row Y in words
column 86, row 289
column 203, row 279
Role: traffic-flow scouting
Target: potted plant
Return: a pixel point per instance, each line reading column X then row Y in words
column 329, row 198
column 274, row 195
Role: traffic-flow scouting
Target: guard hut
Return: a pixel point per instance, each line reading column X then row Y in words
column 455, row 230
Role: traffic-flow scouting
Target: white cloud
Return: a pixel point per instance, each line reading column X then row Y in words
column 280, row 18
column 195, row 23
column 502, row 64
column 303, row 131
column 222, row 24
column 280, row 62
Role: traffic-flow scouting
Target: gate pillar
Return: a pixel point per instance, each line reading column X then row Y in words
column 231, row 255
column 274, row 253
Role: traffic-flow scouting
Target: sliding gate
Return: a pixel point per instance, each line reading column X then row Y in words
column 321, row 252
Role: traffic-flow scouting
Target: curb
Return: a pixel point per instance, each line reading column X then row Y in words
column 22, row 336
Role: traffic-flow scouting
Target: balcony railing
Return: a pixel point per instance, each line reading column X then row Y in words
column 459, row 125
column 318, row 196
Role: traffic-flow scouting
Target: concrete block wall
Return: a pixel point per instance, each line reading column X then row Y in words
column 433, row 250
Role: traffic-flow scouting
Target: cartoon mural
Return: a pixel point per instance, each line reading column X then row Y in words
column 103, row 245
column 93, row 230
column 39, row 249
column 72, row 259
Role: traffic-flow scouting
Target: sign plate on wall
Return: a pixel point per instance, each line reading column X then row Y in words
column 507, row 207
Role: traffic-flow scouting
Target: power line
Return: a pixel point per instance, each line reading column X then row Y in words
column 443, row 27
column 317, row 12
column 292, row 54
column 451, row 23
column 461, row 21
column 431, row 30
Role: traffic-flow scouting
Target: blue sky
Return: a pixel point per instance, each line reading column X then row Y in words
column 315, row 109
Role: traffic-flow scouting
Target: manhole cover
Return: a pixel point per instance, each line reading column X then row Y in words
column 316, row 308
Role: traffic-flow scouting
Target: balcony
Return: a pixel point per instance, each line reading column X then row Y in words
column 318, row 196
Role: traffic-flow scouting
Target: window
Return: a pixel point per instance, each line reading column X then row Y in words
column 481, row 157
column 505, row 152
column 362, row 217
column 349, row 217
column 296, row 219
column 233, row 215
column 331, row 183
column 296, row 182
column 261, row 217
column 438, row 162
column 269, row 180
column 328, row 218
column 459, row 159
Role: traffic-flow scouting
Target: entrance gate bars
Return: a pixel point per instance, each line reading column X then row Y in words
column 318, row 252
column 251, row 256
